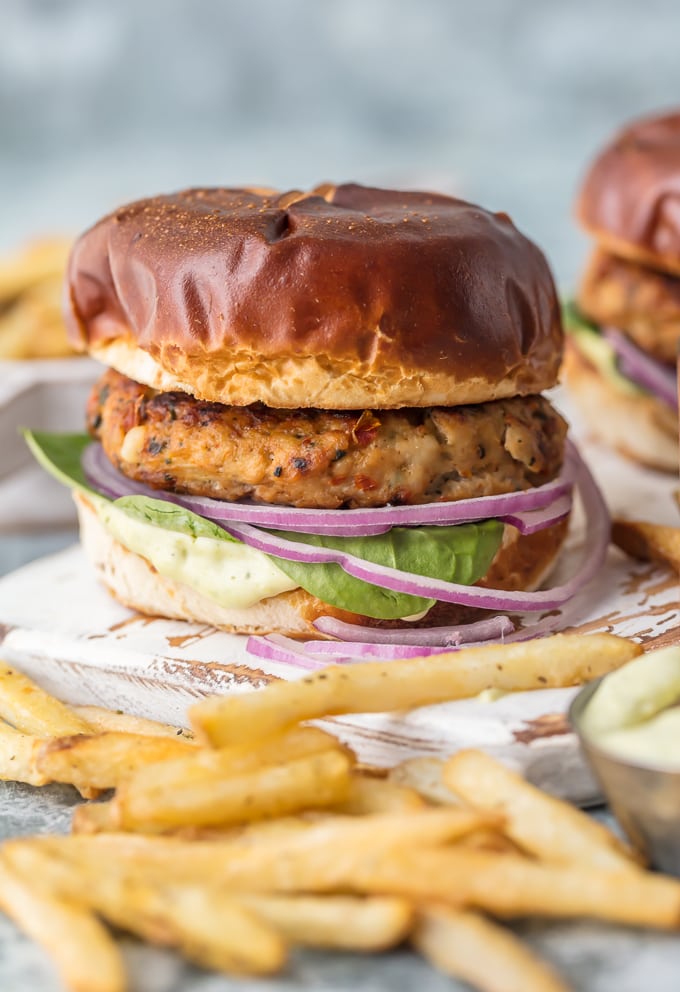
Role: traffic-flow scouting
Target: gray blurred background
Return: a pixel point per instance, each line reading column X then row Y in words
column 501, row 101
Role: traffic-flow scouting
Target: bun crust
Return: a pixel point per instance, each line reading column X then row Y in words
column 640, row 427
column 522, row 562
column 630, row 198
column 343, row 298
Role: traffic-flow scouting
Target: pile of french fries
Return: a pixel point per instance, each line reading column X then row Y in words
column 31, row 281
column 256, row 831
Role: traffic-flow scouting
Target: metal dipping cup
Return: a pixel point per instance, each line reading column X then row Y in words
column 644, row 798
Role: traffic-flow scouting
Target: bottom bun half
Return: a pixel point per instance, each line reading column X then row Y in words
column 522, row 562
column 638, row 425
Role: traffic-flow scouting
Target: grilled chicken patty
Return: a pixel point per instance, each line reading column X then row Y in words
column 325, row 458
column 636, row 299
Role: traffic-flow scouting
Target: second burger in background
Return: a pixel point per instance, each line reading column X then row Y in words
column 624, row 330
column 323, row 413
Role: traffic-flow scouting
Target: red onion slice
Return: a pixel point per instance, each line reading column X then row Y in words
column 535, row 520
column 275, row 647
column 483, row 630
column 638, row 366
column 311, row 654
column 381, row 652
column 521, row 509
column 596, row 541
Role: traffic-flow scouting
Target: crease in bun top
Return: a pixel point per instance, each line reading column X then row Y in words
column 625, row 323
column 322, row 414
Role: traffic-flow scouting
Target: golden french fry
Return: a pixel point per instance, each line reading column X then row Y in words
column 214, row 931
column 564, row 659
column 102, row 817
column 34, row 711
column 318, row 780
column 545, row 827
column 18, row 757
column 201, row 768
column 17, row 333
column 250, row 833
column 204, row 765
column 94, row 818
column 378, row 795
column 101, row 720
column 344, row 922
column 31, row 322
column 82, row 951
column 317, row 859
column 648, row 541
column 489, row 840
column 206, row 924
column 425, row 776
column 508, row 885
column 486, row 956
column 35, row 262
column 33, row 328
column 102, row 761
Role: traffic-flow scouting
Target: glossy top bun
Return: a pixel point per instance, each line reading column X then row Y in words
column 346, row 297
column 630, row 198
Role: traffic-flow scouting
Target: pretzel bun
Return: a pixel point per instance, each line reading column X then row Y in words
column 630, row 198
column 342, row 298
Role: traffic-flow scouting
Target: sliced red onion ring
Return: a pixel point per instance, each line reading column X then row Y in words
column 483, row 630
column 368, row 650
column 596, row 541
column 319, row 654
column 636, row 365
column 521, row 509
column 534, row 520
column 275, row 647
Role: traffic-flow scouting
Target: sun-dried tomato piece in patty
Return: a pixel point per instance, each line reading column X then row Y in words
column 325, row 458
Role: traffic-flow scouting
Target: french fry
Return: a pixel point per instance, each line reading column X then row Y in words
column 509, row 886
column 316, row 781
column 200, row 770
column 216, row 932
column 37, row 261
column 208, row 926
column 33, row 326
column 378, row 795
column 31, row 323
column 481, row 953
column 380, row 687
column 81, row 949
column 380, row 857
column 32, row 710
column 94, row 818
column 205, row 765
column 101, row 761
column 425, row 776
column 545, row 827
column 648, row 541
column 250, row 833
column 342, row 922
column 489, row 840
column 318, row 858
column 18, row 757
column 101, row 720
